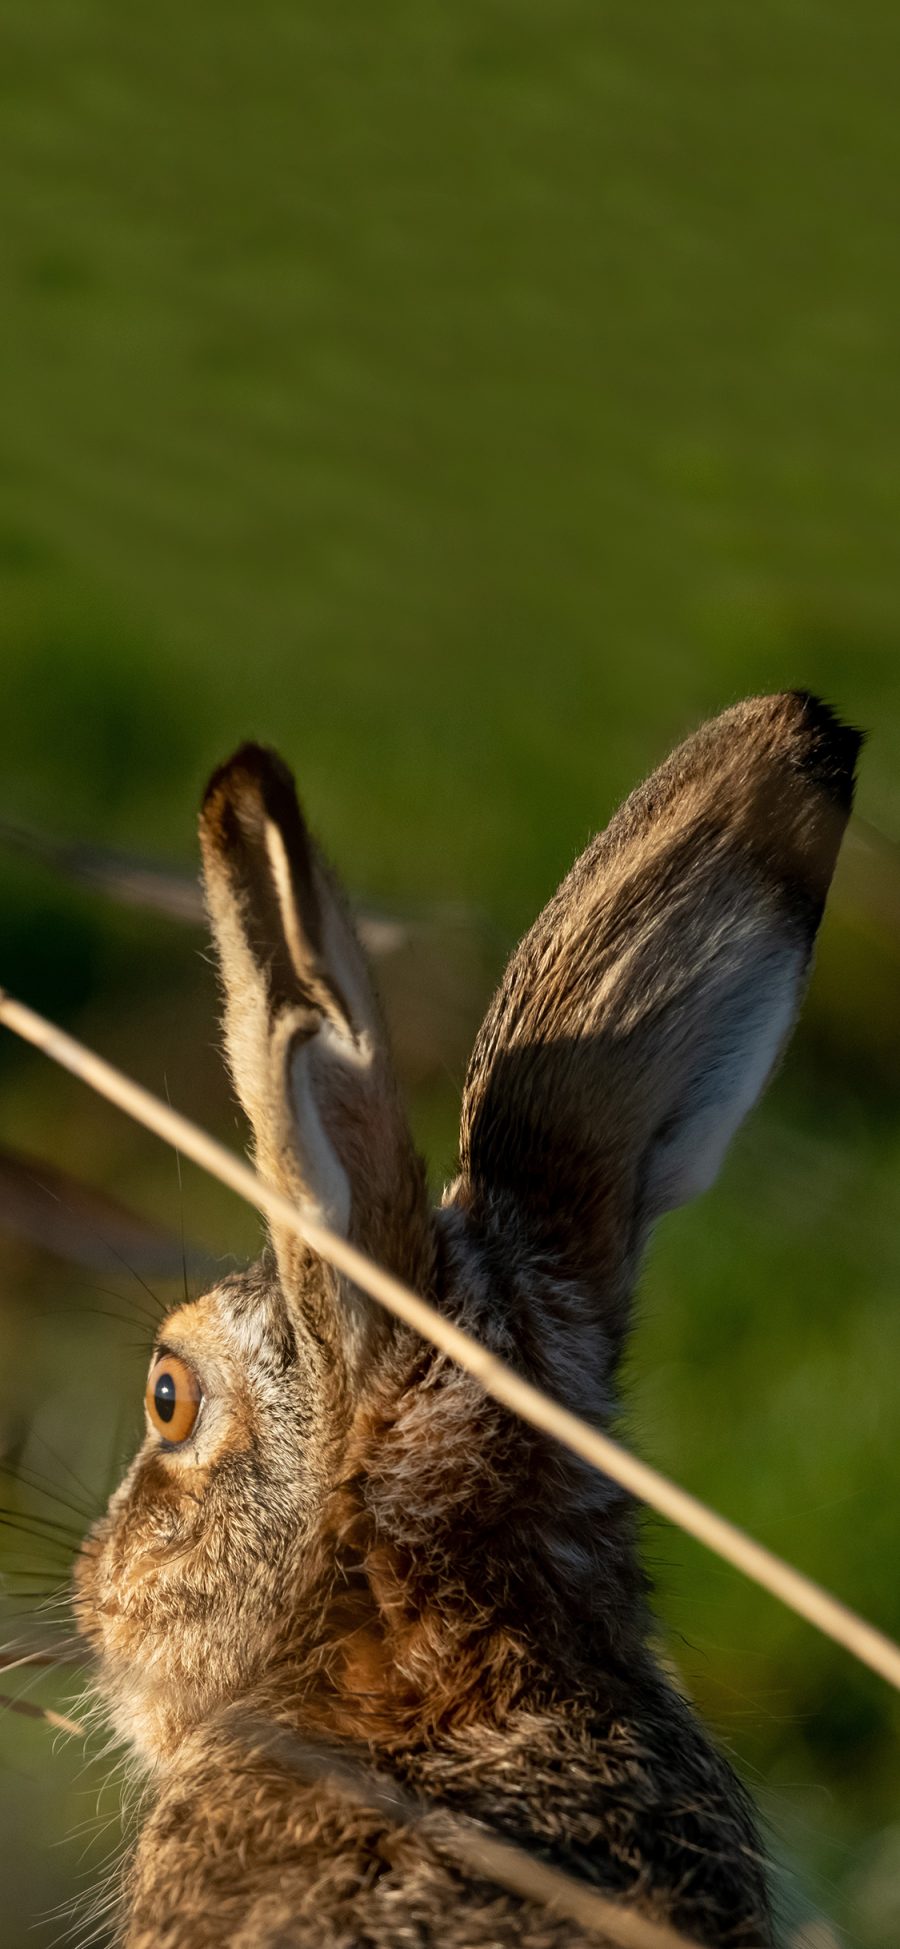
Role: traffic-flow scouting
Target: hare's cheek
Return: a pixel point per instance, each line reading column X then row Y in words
column 84, row 1582
column 95, row 1600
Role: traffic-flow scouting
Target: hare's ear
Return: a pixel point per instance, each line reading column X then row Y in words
column 641, row 1017
column 305, row 1042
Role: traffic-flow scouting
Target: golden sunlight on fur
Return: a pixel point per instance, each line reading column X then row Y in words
column 329, row 1529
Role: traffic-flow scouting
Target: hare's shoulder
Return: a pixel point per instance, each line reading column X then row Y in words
column 244, row 1847
column 241, row 1850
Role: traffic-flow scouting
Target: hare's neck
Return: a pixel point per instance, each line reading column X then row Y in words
column 466, row 1567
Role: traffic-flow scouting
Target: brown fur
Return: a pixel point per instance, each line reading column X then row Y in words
column 356, row 1545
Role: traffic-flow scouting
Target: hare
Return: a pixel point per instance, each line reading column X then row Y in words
column 329, row 1529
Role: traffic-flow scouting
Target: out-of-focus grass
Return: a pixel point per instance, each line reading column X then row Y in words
column 469, row 401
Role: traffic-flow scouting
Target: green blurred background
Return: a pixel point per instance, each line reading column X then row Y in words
column 467, row 400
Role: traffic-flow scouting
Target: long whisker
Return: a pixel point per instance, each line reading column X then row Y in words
column 122, row 1319
column 47, row 1660
column 113, row 1470
column 31, row 1480
column 20, row 1648
column 62, row 1463
column 134, row 1305
column 45, row 1588
column 88, row 1226
column 44, row 1528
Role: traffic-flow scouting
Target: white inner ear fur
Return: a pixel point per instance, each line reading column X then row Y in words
column 281, row 875
column 733, row 1048
column 315, row 1063
column 340, row 950
column 314, row 1070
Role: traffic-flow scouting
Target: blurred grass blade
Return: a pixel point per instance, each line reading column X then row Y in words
column 152, row 886
column 48, row 1207
column 29, row 1710
column 123, row 877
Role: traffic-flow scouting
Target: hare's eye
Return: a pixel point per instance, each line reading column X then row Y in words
column 173, row 1398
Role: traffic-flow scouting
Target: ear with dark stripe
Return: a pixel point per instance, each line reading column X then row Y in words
column 643, row 1014
column 305, row 1042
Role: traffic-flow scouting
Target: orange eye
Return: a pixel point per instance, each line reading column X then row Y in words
column 173, row 1398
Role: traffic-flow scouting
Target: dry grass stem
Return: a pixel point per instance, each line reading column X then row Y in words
column 798, row 1592
column 29, row 1710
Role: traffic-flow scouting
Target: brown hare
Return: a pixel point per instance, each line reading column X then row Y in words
column 329, row 1530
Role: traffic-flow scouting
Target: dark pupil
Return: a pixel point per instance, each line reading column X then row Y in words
column 164, row 1397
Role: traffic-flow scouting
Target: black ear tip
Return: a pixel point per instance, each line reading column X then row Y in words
column 829, row 748
column 253, row 779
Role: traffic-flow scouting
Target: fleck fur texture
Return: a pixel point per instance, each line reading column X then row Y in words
column 354, row 1544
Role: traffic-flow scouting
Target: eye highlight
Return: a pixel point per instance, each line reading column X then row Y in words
column 173, row 1398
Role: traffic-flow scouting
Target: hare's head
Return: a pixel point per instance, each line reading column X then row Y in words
column 191, row 1580
column 288, row 1418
